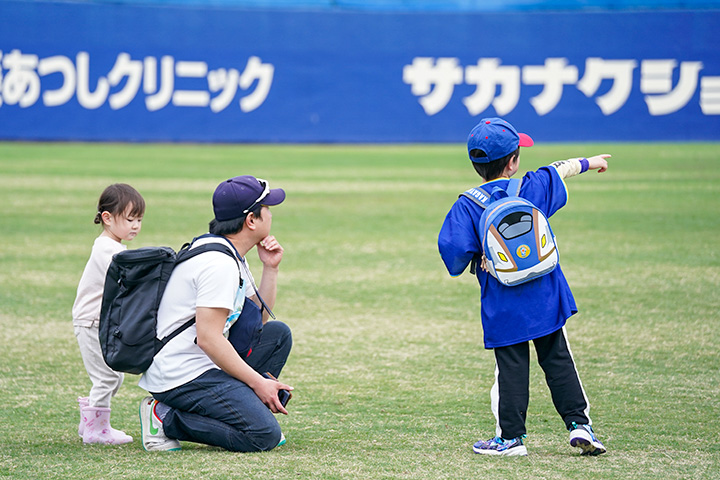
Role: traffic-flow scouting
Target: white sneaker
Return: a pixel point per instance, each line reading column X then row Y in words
column 151, row 429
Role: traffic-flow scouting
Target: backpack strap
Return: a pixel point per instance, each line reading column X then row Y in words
column 160, row 343
column 478, row 195
column 237, row 256
column 184, row 254
column 244, row 265
column 513, row 188
column 262, row 302
column 482, row 198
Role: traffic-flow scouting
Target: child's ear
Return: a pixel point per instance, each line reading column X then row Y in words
column 106, row 217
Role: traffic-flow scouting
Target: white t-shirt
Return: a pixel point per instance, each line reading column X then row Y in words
column 86, row 309
column 208, row 280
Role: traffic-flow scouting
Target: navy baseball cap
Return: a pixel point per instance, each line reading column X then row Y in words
column 236, row 196
column 493, row 139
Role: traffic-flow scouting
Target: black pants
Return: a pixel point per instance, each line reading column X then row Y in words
column 510, row 394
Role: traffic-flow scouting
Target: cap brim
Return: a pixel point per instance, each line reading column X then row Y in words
column 525, row 140
column 275, row 197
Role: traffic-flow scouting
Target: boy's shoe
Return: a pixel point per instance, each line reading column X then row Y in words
column 582, row 436
column 282, row 441
column 501, row 446
column 151, row 428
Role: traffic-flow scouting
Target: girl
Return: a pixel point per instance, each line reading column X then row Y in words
column 120, row 212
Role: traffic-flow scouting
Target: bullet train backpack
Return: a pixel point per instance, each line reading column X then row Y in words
column 518, row 243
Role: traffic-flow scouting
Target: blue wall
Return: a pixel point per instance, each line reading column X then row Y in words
column 439, row 5
column 98, row 71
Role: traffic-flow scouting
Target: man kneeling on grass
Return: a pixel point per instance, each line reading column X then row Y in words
column 207, row 383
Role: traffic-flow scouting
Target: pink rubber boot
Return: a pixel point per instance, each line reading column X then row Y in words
column 85, row 402
column 98, row 429
column 82, row 402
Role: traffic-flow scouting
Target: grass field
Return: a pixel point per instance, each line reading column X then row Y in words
column 391, row 380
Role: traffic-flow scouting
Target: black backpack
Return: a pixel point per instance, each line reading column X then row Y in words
column 134, row 286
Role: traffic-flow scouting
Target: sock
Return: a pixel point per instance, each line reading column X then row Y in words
column 161, row 410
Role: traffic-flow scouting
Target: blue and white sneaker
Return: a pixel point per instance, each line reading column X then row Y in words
column 582, row 436
column 501, row 446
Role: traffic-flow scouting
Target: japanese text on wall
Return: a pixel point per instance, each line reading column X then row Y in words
column 434, row 81
column 21, row 75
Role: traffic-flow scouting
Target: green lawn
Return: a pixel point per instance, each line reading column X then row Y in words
column 391, row 379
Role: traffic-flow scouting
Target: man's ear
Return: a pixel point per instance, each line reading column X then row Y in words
column 250, row 221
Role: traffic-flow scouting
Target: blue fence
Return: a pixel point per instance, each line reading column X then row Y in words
column 439, row 5
column 99, row 71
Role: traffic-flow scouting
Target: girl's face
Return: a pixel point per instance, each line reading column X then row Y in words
column 123, row 226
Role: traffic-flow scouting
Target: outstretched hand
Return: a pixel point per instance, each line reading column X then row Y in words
column 270, row 251
column 599, row 162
